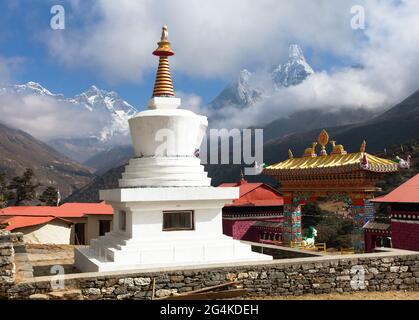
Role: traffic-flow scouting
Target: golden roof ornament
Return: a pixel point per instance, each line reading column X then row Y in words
column 363, row 146
column 311, row 152
column 163, row 87
column 337, row 148
column 323, row 140
column 290, row 154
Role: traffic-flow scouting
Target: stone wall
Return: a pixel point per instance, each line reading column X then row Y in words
column 393, row 270
column 7, row 265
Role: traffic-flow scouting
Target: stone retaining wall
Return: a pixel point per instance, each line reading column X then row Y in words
column 7, row 265
column 393, row 270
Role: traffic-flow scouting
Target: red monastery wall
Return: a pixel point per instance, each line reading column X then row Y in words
column 243, row 230
column 405, row 235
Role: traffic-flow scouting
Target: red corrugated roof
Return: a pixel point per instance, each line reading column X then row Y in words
column 27, row 211
column 255, row 194
column 408, row 192
column 17, row 222
column 67, row 210
column 82, row 209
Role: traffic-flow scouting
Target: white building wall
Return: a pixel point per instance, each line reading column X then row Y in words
column 147, row 220
column 55, row 232
column 92, row 225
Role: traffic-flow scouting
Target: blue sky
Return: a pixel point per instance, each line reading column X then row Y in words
column 18, row 39
column 109, row 43
column 24, row 25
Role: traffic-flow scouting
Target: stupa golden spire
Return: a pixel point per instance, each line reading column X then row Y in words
column 163, row 87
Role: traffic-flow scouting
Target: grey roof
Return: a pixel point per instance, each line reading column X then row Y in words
column 376, row 225
column 268, row 224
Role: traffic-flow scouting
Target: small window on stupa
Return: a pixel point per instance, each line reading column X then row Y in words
column 178, row 220
column 122, row 220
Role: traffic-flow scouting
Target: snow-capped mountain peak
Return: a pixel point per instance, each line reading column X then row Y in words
column 244, row 76
column 294, row 71
column 295, row 52
column 92, row 91
column 111, row 109
column 240, row 92
column 247, row 90
column 111, row 112
column 28, row 88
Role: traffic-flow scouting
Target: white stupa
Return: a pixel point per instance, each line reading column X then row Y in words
column 166, row 212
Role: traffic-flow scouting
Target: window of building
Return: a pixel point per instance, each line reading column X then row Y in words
column 122, row 220
column 178, row 220
column 104, row 227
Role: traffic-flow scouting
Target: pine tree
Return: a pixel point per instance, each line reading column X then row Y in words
column 3, row 191
column 23, row 188
column 49, row 196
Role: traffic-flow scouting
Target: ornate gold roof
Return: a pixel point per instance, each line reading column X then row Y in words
column 336, row 162
column 350, row 160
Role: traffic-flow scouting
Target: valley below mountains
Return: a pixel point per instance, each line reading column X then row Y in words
column 19, row 151
column 397, row 126
column 97, row 119
column 93, row 156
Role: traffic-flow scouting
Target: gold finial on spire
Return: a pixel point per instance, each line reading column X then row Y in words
column 164, row 34
column 163, row 86
column 164, row 49
column 323, row 140
column 290, row 154
column 363, row 146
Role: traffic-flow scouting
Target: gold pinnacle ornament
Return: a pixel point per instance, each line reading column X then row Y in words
column 290, row 154
column 323, row 140
column 163, row 87
column 363, row 146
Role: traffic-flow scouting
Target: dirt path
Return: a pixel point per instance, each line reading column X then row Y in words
column 43, row 257
column 391, row 295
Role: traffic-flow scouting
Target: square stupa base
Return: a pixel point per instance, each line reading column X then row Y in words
column 224, row 251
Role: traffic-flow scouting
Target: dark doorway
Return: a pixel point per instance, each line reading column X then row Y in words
column 104, row 227
column 383, row 242
column 79, row 230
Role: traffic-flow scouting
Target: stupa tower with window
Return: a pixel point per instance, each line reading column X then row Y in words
column 166, row 211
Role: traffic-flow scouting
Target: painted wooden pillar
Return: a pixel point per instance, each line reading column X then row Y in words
column 361, row 214
column 369, row 239
column 292, row 219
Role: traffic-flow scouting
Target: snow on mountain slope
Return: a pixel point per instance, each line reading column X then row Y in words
column 107, row 105
column 28, row 89
column 241, row 92
column 247, row 89
column 294, row 71
column 91, row 122
column 110, row 111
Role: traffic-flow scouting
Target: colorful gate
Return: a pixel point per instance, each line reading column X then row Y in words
column 349, row 176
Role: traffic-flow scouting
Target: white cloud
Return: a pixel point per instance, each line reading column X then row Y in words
column 211, row 38
column 343, row 89
column 46, row 118
column 216, row 38
column 192, row 102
